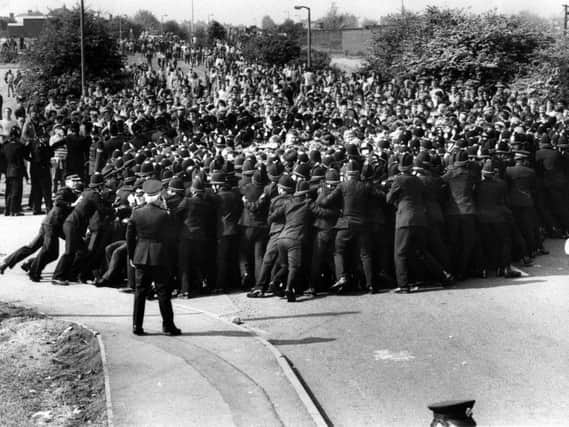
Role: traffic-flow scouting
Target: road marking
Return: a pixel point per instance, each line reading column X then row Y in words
column 399, row 356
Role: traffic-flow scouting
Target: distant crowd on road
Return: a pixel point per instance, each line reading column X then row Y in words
column 285, row 180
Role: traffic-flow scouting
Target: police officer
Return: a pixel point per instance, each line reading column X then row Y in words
column 198, row 215
column 407, row 193
column 276, row 225
column 230, row 208
column 147, row 251
column 353, row 195
column 74, row 228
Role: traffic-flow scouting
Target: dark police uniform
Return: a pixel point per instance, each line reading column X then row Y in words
column 147, row 250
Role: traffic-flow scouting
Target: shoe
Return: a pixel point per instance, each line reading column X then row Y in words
column 511, row 274
column 372, row 290
column 276, row 289
column 247, row 282
column 60, row 282
column 448, row 279
column 172, row 331
column 138, row 331
column 311, row 292
column 339, row 285
column 184, row 295
column 126, row 290
column 100, row 283
column 2, row 268
column 26, row 266
column 290, row 295
column 18, row 214
column 402, row 290
column 255, row 293
column 34, row 278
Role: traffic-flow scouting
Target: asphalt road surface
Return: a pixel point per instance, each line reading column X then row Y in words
column 380, row 359
column 375, row 360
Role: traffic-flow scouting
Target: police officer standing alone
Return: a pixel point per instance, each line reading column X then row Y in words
column 147, row 251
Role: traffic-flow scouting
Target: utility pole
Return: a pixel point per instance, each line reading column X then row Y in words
column 82, row 31
column 192, row 26
column 566, row 14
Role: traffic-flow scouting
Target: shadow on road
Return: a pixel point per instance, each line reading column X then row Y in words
column 115, row 315
column 323, row 314
column 307, row 340
column 484, row 284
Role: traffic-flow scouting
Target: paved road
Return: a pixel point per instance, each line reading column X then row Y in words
column 380, row 359
column 214, row 374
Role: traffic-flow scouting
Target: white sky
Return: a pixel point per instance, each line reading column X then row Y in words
column 250, row 12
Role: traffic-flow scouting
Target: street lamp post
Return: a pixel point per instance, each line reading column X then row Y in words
column 309, row 53
column 82, row 43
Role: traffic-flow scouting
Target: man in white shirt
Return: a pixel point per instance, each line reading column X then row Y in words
column 7, row 123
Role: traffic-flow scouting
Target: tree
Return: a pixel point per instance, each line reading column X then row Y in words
column 334, row 20
column 271, row 49
column 199, row 35
column 147, row 20
column 216, row 31
column 295, row 30
column 367, row 22
column 53, row 62
column 267, row 23
column 458, row 45
column 175, row 28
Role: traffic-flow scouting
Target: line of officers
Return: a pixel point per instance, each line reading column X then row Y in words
column 287, row 228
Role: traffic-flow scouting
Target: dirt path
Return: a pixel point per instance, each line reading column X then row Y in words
column 50, row 371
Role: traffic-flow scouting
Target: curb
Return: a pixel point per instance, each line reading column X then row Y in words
column 303, row 394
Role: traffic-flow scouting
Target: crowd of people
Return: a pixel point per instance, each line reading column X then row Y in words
column 285, row 180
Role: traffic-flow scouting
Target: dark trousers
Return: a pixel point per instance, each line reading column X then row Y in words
column 13, row 197
column 116, row 256
column 228, row 262
column 191, row 256
column 290, row 252
column 358, row 238
column 412, row 259
column 49, row 251
column 75, row 254
column 380, row 253
column 496, row 244
column 144, row 276
column 556, row 199
column 26, row 250
column 526, row 222
column 41, row 187
column 322, row 262
column 253, row 244
column 436, row 244
column 269, row 259
column 461, row 231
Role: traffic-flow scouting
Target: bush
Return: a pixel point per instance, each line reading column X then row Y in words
column 271, row 48
column 458, row 45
